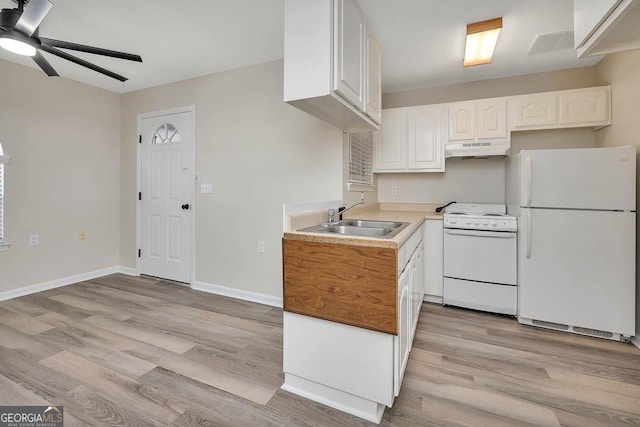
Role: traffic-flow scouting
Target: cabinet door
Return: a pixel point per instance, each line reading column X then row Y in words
column 349, row 52
column 534, row 111
column 433, row 262
column 415, row 287
column 402, row 339
column 372, row 79
column 462, row 121
column 492, row 118
column 391, row 147
column 425, row 148
column 584, row 106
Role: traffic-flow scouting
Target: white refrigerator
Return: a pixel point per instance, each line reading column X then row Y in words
column 576, row 211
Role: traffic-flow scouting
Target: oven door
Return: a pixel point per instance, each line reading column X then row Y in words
column 483, row 256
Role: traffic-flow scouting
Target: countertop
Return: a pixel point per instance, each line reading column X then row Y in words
column 414, row 214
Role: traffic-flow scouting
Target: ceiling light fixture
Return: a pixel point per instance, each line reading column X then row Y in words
column 481, row 41
column 16, row 46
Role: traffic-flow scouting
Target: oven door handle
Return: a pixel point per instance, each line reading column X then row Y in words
column 481, row 233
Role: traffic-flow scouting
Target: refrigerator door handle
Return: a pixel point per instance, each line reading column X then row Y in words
column 528, row 230
column 529, row 181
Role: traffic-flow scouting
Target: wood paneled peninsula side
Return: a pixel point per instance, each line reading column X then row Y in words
column 351, row 306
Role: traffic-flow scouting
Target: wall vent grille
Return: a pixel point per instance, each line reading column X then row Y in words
column 593, row 332
column 551, row 325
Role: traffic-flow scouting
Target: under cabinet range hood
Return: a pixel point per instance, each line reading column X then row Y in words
column 477, row 149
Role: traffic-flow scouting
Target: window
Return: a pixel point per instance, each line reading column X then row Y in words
column 3, row 161
column 361, row 159
column 165, row 134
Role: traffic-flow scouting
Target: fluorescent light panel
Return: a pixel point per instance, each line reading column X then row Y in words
column 481, row 41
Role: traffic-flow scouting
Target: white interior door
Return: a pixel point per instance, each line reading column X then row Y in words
column 166, row 177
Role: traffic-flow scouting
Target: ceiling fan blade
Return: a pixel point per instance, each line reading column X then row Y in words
column 74, row 59
column 33, row 16
column 89, row 49
column 44, row 65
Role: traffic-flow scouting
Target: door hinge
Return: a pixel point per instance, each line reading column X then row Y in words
column 139, row 195
column 139, row 139
column 139, row 253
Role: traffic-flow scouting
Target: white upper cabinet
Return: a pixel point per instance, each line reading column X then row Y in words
column 605, row 26
column 561, row 109
column 411, row 140
column 348, row 75
column 373, row 78
column 425, row 139
column 585, row 106
column 479, row 119
column 462, row 121
column 328, row 71
column 537, row 110
column 391, row 143
column 477, row 128
column 491, row 118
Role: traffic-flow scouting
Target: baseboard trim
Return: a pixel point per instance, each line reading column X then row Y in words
column 237, row 293
column 433, row 299
column 128, row 271
column 39, row 287
column 636, row 340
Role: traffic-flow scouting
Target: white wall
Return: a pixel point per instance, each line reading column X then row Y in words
column 475, row 180
column 258, row 153
column 64, row 141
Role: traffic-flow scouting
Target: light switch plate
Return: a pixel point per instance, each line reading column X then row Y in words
column 206, row 188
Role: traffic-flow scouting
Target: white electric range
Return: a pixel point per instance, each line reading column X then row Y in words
column 480, row 258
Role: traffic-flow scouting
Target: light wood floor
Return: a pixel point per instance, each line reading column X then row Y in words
column 140, row 352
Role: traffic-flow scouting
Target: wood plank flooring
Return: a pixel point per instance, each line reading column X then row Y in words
column 128, row 351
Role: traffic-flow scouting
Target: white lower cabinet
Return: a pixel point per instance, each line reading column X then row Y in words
column 356, row 370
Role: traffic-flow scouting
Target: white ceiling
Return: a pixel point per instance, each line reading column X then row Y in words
column 422, row 40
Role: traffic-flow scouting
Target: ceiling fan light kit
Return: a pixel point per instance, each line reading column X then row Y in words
column 481, row 42
column 19, row 34
column 16, row 46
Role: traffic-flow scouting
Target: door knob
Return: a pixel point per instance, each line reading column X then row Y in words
column 185, row 206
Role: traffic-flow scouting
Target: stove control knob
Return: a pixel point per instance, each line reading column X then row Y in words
column 453, row 220
column 469, row 222
column 494, row 223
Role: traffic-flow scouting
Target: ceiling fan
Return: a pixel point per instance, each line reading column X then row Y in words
column 19, row 34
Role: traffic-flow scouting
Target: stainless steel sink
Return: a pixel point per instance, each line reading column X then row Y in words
column 359, row 227
column 372, row 224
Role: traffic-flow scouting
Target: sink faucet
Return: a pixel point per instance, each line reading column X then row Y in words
column 342, row 209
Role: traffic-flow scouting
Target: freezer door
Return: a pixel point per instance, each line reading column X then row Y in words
column 578, row 268
column 585, row 178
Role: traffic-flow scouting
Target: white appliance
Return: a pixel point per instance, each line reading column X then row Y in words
column 480, row 261
column 577, row 230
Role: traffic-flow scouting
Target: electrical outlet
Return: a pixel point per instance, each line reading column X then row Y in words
column 206, row 188
column 33, row 240
column 394, row 191
column 82, row 235
column 260, row 247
